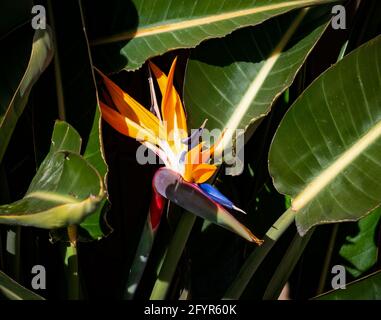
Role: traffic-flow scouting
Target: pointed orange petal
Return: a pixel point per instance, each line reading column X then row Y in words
column 173, row 97
column 132, row 109
column 203, row 172
column 168, row 102
column 160, row 76
column 125, row 126
column 171, row 106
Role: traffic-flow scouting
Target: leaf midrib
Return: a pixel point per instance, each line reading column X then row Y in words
column 157, row 28
column 336, row 167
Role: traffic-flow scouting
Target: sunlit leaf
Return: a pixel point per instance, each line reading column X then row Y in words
column 235, row 80
column 326, row 152
column 137, row 30
column 65, row 189
column 26, row 56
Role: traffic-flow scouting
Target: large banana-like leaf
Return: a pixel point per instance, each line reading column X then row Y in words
column 367, row 288
column 65, row 189
column 234, row 81
column 24, row 56
column 141, row 29
column 326, row 152
column 14, row 291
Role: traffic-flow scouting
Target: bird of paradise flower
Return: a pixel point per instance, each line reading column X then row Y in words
column 187, row 163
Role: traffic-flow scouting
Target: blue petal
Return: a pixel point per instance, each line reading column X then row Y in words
column 218, row 197
column 194, row 139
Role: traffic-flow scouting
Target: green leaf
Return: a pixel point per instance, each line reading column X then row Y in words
column 140, row 29
column 367, row 288
column 234, row 81
column 361, row 250
column 326, row 151
column 80, row 100
column 14, row 291
column 64, row 137
column 65, row 189
column 26, row 56
column 94, row 155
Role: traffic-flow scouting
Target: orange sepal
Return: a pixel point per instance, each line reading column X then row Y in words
column 171, row 106
column 132, row 109
column 125, row 126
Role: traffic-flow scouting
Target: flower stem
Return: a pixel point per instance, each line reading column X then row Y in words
column 70, row 251
column 57, row 67
column 287, row 265
column 258, row 255
column 71, row 264
column 172, row 256
column 327, row 259
column 139, row 263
